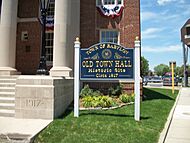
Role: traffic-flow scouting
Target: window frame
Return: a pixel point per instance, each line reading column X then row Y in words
column 109, row 30
column 49, row 13
column 49, row 62
column 51, row 8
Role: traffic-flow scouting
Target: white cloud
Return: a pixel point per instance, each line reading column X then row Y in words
column 148, row 15
column 151, row 33
column 163, row 2
column 159, row 17
column 170, row 48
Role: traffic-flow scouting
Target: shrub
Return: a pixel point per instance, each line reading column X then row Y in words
column 87, row 91
column 96, row 93
column 115, row 91
column 87, row 101
column 106, row 101
column 125, row 98
column 98, row 101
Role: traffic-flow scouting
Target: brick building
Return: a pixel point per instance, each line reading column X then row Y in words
column 185, row 39
column 94, row 27
column 122, row 29
column 93, row 24
column 94, row 21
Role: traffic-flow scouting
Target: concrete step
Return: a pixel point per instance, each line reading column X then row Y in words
column 7, row 113
column 7, row 89
column 9, row 77
column 7, row 80
column 7, row 84
column 7, row 100
column 7, row 94
column 7, row 106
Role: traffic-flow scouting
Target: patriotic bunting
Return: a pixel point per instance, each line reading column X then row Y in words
column 49, row 23
column 110, row 10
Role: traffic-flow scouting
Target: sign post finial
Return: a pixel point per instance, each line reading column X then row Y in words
column 137, row 38
column 77, row 39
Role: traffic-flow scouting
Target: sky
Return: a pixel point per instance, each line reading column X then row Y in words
column 161, row 22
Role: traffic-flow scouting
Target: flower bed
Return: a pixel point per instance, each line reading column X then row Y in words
column 93, row 99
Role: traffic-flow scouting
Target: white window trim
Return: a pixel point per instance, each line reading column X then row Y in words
column 100, row 34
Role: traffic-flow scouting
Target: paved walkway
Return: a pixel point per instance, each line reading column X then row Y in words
column 179, row 127
column 20, row 130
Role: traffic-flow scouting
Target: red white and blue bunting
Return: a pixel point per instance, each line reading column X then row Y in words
column 49, row 23
column 110, row 10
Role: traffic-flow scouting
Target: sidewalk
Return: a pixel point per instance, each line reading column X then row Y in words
column 179, row 128
column 14, row 130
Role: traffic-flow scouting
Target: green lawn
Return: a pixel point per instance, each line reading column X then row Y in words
column 113, row 126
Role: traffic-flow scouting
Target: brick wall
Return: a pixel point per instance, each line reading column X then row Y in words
column 28, row 52
column 128, row 24
column 127, row 87
column 91, row 21
column 28, row 8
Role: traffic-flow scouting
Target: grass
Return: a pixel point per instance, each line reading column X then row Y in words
column 113, row 126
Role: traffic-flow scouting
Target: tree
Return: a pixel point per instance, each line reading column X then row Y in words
column 144, row 66
column 161, row 69
column 179, row 70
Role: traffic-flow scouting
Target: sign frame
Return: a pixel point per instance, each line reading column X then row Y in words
column 132, row 54
column 136, row 72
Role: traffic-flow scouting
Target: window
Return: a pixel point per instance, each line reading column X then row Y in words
column 109, row 36
column 49, row 32
column 188, row 30
column 98, row 2
column 49, row 47
column 109, row 2
column 119, row 2
column 51, row 8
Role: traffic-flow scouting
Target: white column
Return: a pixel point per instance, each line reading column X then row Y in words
column 137, row 79
column 61, row 49
column 8, row 26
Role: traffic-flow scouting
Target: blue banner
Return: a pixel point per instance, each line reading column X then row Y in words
column 107, row 61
